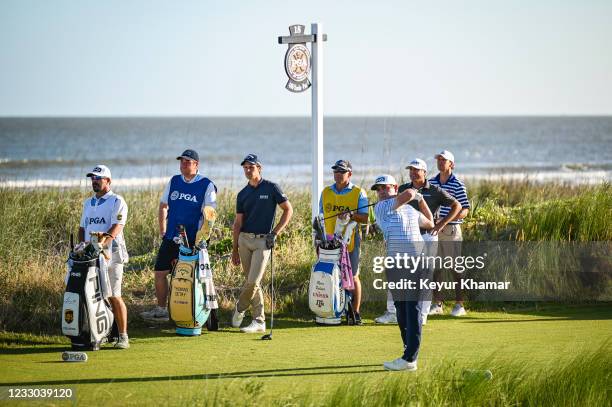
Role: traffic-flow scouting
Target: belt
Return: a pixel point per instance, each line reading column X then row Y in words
column 255, row 235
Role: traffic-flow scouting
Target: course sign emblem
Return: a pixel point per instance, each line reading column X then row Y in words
column 297, row 62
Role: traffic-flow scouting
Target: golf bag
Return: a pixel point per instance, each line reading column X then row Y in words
column 87, row 317
column 328, row 297
column 192, row 301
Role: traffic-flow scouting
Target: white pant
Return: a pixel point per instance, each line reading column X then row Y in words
column 431, row 249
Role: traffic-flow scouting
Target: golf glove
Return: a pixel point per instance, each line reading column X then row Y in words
column 270, row 240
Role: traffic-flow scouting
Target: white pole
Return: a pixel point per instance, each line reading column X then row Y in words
column 317, row 117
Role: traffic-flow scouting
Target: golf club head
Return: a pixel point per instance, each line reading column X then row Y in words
column 267, row 337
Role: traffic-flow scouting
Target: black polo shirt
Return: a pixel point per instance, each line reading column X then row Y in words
column 434, row 197
column 258, row 205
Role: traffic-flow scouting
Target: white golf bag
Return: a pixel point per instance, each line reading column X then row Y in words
column 327, row 298
column 87, row 317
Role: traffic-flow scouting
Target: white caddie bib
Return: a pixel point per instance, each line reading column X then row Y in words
column 100, row 214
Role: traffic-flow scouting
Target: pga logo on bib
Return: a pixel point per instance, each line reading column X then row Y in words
column 181, row 196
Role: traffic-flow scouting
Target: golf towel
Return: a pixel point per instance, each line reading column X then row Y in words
column 105, row 286
column 206, row 278
column 346, row 272
column 204, row 262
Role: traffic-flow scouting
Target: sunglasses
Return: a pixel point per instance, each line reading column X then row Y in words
column 96, row 177
column 340, row 172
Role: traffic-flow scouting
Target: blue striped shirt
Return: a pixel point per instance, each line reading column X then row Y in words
column 457, row 190
column 400, row 227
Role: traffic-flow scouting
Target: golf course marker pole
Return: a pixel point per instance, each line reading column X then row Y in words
column 298, row 62
column 317, row 119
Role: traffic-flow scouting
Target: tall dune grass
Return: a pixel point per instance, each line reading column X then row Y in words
column 578, row 381
column 36, row 225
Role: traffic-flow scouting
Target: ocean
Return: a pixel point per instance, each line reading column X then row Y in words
column 141, row 152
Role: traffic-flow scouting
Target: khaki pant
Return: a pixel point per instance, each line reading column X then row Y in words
column 254, row 257
column 449, row 244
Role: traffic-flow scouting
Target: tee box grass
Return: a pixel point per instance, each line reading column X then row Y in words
column 309, row 365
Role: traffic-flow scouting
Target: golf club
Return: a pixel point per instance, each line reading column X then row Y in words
column 350, row 210
column 268, row 337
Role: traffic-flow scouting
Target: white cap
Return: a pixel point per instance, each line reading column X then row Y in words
column 446, row 154
column 100, row 171
column 418, row 164
column 384, row 179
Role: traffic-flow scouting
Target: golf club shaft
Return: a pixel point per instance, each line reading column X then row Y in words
column 350, row 210
column 272, row 283
column 269, row 336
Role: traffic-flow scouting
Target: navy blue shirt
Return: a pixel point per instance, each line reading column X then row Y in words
column 258, row 205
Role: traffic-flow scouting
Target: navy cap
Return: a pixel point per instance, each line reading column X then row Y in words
column 343, row 166
column 190, row 155
column 251, row 159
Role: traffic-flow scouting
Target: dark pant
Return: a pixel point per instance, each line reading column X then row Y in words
column 410, row 328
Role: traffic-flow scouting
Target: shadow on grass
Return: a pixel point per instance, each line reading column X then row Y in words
column 19, row 346
column 167, row 329
column 590, row 312
column 568, row 311
column 29, row 351
column 293, row 372
column 18, row 340
column 496, row 321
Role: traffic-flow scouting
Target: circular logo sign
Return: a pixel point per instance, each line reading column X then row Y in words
column 174, row 195
column 297, row 62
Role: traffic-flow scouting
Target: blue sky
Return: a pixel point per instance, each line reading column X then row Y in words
column 125, row 58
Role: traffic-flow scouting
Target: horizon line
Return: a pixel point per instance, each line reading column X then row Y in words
column 186, row 116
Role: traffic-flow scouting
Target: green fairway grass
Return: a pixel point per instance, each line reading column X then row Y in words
column 304, row 364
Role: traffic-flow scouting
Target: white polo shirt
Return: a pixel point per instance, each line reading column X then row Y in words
column 100, row 214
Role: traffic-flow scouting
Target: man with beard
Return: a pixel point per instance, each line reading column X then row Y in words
column 106, row 212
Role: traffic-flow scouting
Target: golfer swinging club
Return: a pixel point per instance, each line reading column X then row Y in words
column 399, row 223
column 253, row 239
